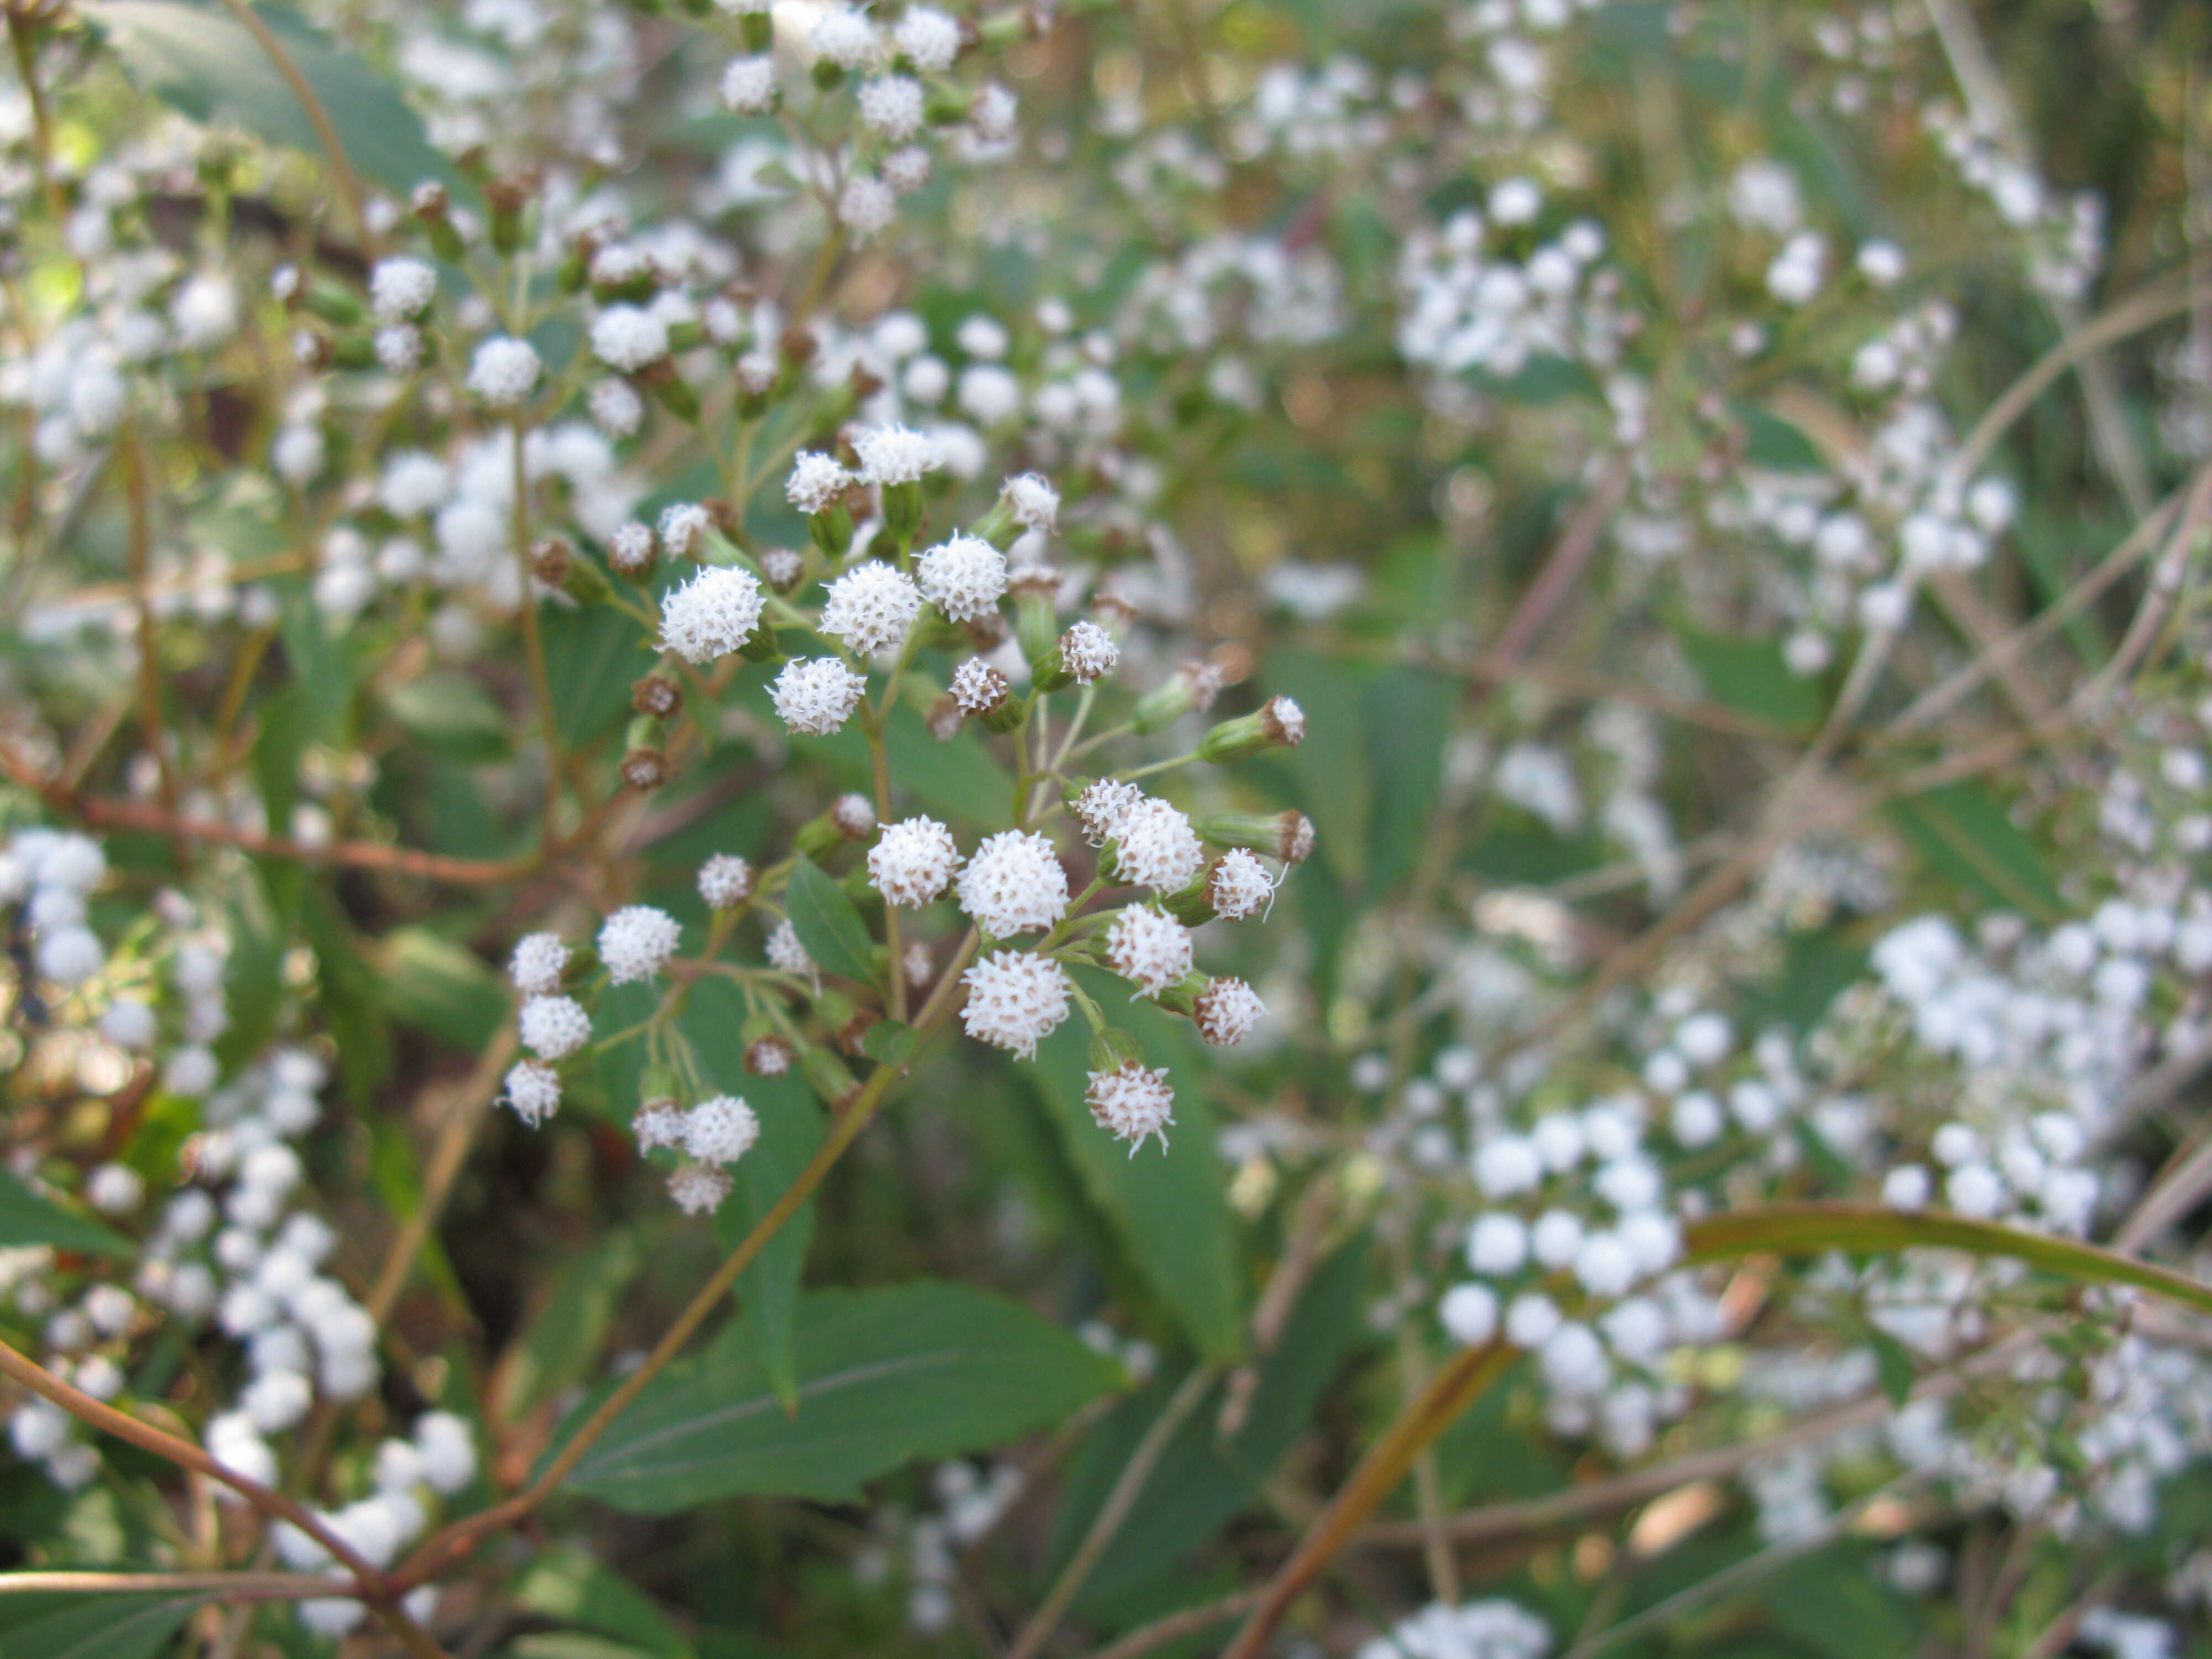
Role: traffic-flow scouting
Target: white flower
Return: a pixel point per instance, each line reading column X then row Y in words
column 816, row 695
column 1226, row 1012
column 448, row 1451
column 913, row 862
column 617, row 409
column 1239, row 886
column 636, row 942
column 895, row 454
column 504, row 371
column 711, row 615
column 749, row 85
column 1531, row 1320
column 538, row 963
column 1014, row 1000
column 1014, row 884
column 658, row 1123
column 786, row 953
column 553, row 1028
column 965, row 577
column 977, row 687
column 1034, row 502
column 1157, row 848
column 682, row 523
column 847, row 39
column 1149, row 949
column 906, row 171
column 867, row 205
column 726, row 881
column 627, row 338
column 1088, row 651
column 1134, row 1101
column 114, row 1189
column 400, row 290
column 533, row 1089
column 892, row 106
column 1469, row 1314
column 870, row 607
column 816, row 480
column 927, row 37
column 128, row 1022
column 721, row 1130
column 1104, row 807
column 1506, row 1164
column 698, row 1189
column 70, row 956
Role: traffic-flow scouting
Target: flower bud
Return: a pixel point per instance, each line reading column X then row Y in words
column 507, row 199
column 831, row 529
column 769, row 1056
column 758, row 29
column 1036, row 622
column 672, row 390
column 1287, row 835
column 1280, row 724
column 433, row 213
column 657, row 696
column 645, row 768
column 339, row 306
column 1193, row 686
column 828, row 1077
column 760, row 645
column 902, row 510
column 1112, row 1049
column 550, row 560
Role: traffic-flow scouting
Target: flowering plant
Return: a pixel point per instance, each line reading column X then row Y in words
column 1342, row 799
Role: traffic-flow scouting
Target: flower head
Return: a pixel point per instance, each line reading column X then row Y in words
column 1034, row 501
column 892, row 105
column 913, row 862
column 1149, row 949
column 400, row 290
column 786, row 954
column 721, row 1130
column 927, row 37
column 964, row 577
column 533, row 1090
column 1157, row 848
column 1226, row 1012
column 711, row 615
column 895, row 454
column 538, row 963
column 749, row 85
column 658, row 1123
column 1088, row 651
column 977, row 687
column 636, row 942
column 726, row 881
column 846, row 38
column 627, row 338
column 1239, row 885
column 1014, row 1000
column 816, row 480
column 816, row 695
column 1104, row 807
column 553, row 1028
column 699, row 1189
column 504, row 371
column 870, row 607
column 1134, row 1101
column 1014, row 884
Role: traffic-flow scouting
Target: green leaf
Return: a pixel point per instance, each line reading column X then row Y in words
column 1772, row 442
column 890, row 1043
column 1868, row 1229
column 791, row 1133
column 1749, row 676
column 1166, row 1206
column 91, row 1627
column 1894, row 1362
column 922, row 1370
column 569, row 1586
column 1965, row 832
column 594, row 656
column 203, row 63
column 28, row 1217
column 827, row 922
column 451, row 713
column 429, row 983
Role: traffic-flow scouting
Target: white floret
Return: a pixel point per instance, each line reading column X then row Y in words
column 816, row 480
column 786, row 953
column 913, row 862
column 636, row 942
column 895, row 454
column 870, row 607
column 628, row 338
column 1149, row 949
column 726, row 881
column 816, row 695
column 698, row 1188
column 400, row 290
column 964, row 577
column 1034, row 501
column 538, row 962
column 1014, row 884
column 1088, row 651
column 1227, row 1011
column 927, row 37
column 504, row 371
column 1134, row 1101
column 711, row 615
column 1157, row 848
column 749, row 85
column 448, row 1451
column 1014, row 1000
column 721, row 1130
column 892, row 106
column 553, row 1028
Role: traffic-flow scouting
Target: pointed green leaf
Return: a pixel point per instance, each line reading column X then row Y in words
column 1869, row 1229
column 827, row 922
column 91, row 1626
column 1965, row 832
column 923, row 1370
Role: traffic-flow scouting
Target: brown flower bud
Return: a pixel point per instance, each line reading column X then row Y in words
column 657, row 694
column 645, row 768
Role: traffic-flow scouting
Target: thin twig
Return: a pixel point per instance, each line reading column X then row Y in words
column 224, row 1586
column 1128, row 1487
column 334, row 149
